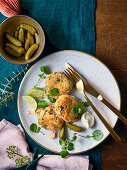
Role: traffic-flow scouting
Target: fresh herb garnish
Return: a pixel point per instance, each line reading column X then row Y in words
column 74, row 138
column 42, row 104
column 74, row 110
column 41, row 76
column 12, row 151
column 96, row 135
column 79, row 110
column 64, row 153
column 79, row 107
column 79, row 104
column 67, row 145
column 70, row 146
column 34, row 128
column 45, row 70
column 54, row 91
column 52, row 100
column 86, row 104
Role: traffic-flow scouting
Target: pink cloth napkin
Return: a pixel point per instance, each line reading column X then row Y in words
column 14, row 135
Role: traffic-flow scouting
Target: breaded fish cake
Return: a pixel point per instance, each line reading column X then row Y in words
column 63, row 107
column 60, row 81
column 48, row 119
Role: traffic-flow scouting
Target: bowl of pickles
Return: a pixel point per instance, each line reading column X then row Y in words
column 22, row 39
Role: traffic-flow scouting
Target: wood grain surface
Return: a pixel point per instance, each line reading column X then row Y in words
column 111, row 48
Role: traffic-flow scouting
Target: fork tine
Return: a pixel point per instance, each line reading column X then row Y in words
column 68, row 75
column 68, row 66
column 72, row 76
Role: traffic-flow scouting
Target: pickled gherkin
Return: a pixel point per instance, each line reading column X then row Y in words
column 13, row 40
column 27, row 44
column 28, row 28
column 12, row 52
column 74, row 127
column 17, row 49
column 62, row 132
column 16, row 34
column 30, row 51
column 37, row 38
column 31, row 38
column 21, row 36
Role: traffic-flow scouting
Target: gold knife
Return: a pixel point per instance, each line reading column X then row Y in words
column 94, row 93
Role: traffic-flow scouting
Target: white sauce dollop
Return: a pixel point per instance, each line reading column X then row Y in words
column 87, row 119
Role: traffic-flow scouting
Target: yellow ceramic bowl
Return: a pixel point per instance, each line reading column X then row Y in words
column 10, row 25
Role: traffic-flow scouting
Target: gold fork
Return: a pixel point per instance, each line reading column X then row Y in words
column 80, row 87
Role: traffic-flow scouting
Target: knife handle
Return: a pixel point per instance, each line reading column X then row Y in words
column 120, row 116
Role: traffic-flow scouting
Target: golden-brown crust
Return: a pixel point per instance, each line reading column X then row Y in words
column 63, row 107
column 48, row 119
column 60, row 81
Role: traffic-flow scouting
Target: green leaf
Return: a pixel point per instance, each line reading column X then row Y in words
column 45, row 70
column 62, row 142
column 41, row 76
column 86, row 104
column 52, row 100
column 42, row 104
column 64, row 148
column 38, row 130
column 64, row 154
column 42, row 68
column 73, row 138
column 58, row 80
column 34, row 128
column 70, row 146
column 97, row 135
column 74, row 110
column 79, row 110
column 79, row 104
column 54, row 92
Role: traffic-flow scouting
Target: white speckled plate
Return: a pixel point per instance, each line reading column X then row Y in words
column 96, row 73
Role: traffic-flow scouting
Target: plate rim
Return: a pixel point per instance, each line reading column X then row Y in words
column 29, row 71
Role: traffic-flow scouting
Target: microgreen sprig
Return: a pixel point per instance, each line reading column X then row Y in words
column 34, row 128
column 44, row 71
column 96, row 135
column 67, row 145
column 12, row 151
column 54, row 91
column 79, row 107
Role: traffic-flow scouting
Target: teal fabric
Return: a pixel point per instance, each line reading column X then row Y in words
column 68, row 24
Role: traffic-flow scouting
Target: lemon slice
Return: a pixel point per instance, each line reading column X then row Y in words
column 30, row 101
column 36, row 92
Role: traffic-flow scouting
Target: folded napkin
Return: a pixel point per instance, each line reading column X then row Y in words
column 14, row 135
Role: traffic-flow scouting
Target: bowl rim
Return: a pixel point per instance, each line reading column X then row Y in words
column 25, row 62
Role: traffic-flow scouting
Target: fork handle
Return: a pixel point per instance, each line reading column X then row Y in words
column 120, row 116
column 109, row 128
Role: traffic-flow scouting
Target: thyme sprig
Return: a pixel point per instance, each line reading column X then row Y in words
column 7, row 94
column 12, row 151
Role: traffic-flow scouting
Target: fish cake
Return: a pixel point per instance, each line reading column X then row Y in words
column 47, row 118
column 63, row 107
column 60, row 81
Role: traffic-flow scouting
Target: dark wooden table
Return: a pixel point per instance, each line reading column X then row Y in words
column 111, row 48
